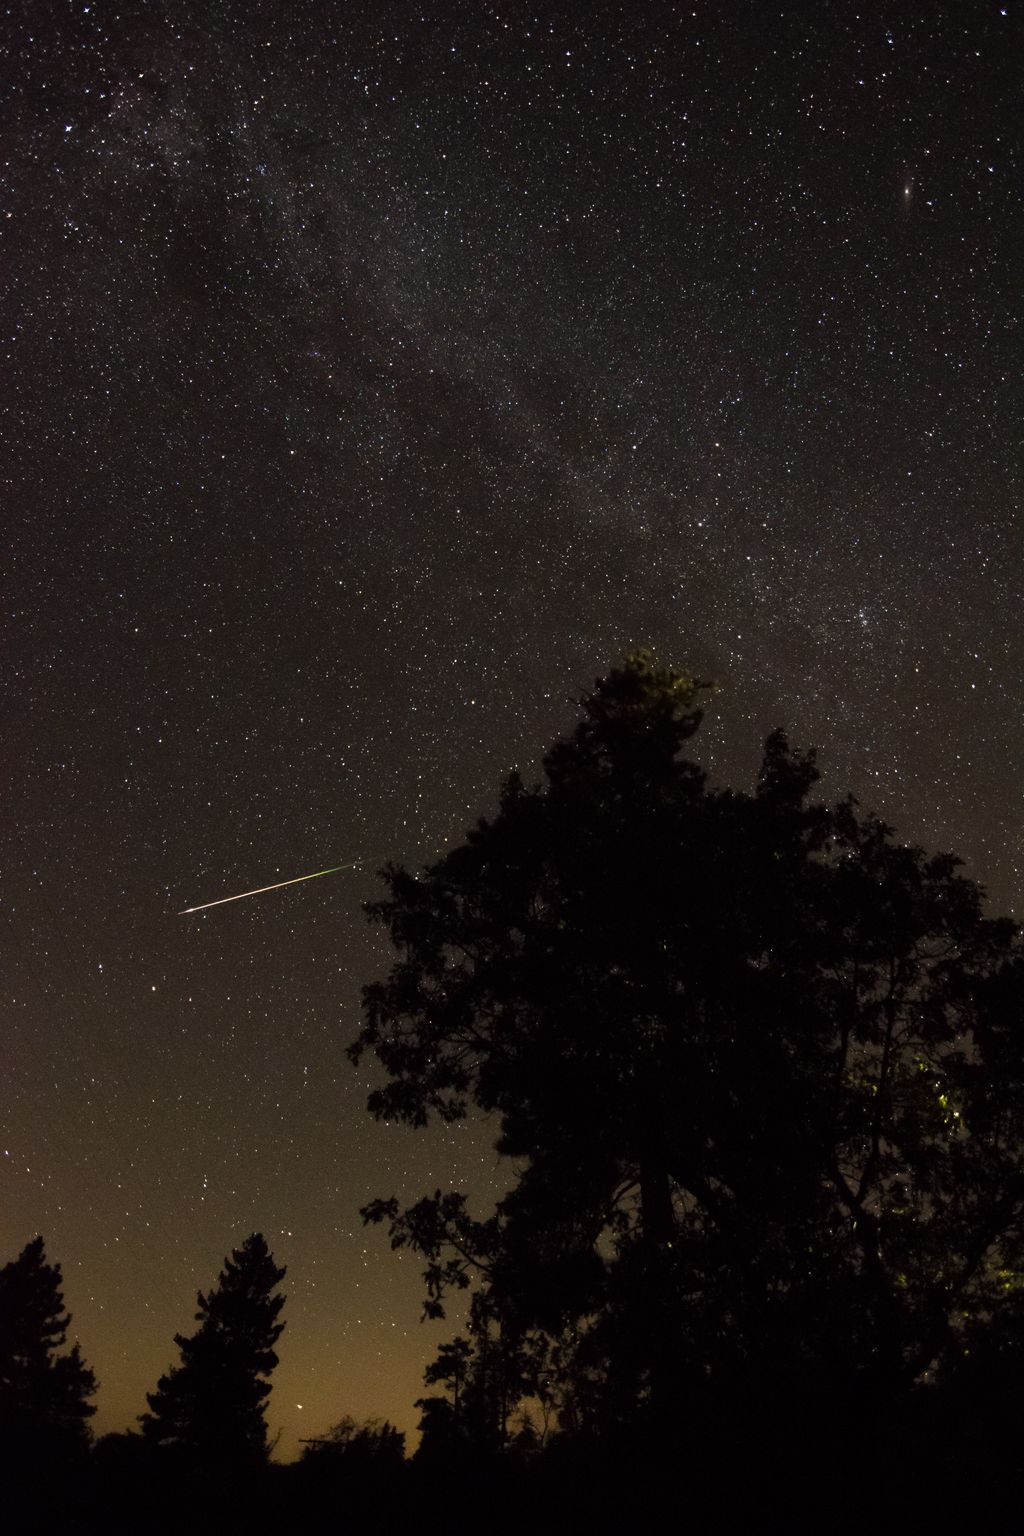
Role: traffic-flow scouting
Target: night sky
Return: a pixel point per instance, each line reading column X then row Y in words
column 374, row 376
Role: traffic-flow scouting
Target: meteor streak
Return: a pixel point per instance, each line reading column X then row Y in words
column 276, row 887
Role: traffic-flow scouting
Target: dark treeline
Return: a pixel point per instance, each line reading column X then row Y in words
column 759, row 1070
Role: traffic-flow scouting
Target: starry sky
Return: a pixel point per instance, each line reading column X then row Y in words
column 374, row 375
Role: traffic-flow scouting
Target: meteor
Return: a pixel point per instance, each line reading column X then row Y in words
column 276, row 887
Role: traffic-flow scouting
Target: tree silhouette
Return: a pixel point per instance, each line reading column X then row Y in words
column 486, row 1375
column 352, row 1478
column 212, row 1406
column 353, row 1445
column 760, row 1064
column 44, row 1390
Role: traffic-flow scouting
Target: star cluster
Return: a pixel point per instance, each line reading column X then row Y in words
column 373, row 377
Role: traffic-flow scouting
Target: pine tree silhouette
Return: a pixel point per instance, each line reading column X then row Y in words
column 212, row 1406
column 43, row 1392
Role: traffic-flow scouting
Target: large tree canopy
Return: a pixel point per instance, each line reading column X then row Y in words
column 760, row 1064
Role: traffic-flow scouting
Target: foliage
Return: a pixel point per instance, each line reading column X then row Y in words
column 760, row 1066
column 351, row 1443
column 486, row 1374
column 212, row 1406
column 354, row 1478
column 44, row 1389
